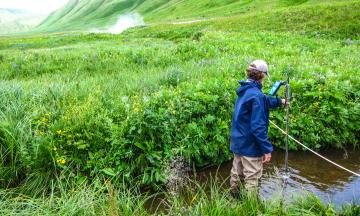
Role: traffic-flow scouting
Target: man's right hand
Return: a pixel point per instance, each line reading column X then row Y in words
column 267, row 158
column 284, row 102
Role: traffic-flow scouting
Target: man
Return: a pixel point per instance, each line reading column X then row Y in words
column 249, row 133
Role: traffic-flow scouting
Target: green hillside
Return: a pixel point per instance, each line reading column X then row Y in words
column 80, row 14
column 85, row 15
column 330, row 20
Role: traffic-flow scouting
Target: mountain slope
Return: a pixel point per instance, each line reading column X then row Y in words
column 89, row 14
column 85, row 14
column 339, row 20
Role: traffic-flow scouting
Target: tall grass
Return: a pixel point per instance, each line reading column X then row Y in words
column 104, row 198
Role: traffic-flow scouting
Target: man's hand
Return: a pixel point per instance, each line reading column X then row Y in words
column 267, row 158
column 284, row 102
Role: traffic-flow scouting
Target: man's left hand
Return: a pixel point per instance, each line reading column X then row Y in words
column 267, row 158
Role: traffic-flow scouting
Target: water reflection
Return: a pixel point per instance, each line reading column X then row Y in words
column 308, row 173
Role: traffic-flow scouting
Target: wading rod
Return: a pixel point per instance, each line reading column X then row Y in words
column 287, row 103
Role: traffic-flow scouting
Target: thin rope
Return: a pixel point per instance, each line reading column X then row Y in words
column 317, row 154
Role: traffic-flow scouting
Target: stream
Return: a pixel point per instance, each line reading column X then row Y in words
column 307, row 173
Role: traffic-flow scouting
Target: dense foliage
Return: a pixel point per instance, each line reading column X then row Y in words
column 77, row 109
column 125, row 105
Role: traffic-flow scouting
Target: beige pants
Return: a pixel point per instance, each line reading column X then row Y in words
column 248, row 170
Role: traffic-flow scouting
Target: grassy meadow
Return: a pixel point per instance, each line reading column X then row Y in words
column 78, row 107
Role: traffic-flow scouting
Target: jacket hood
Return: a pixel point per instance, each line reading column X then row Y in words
column 246, row 85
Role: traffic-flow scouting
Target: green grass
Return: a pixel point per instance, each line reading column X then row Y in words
column 85, row 14
column 82, row 199
column 338, row 18
column 101, row 99
column 98, row 105
column 116, row 199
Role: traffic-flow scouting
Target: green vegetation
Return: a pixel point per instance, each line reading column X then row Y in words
column 332, row 17
column 124, row 106
column 107, row 199
column 88, row 106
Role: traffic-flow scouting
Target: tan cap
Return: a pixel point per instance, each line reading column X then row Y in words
column 259, row 65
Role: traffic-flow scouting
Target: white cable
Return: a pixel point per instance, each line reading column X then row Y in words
column 319, row 155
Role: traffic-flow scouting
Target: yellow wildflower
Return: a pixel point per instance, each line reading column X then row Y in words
column 61, row 161
column 39, row 133
column 316, row 104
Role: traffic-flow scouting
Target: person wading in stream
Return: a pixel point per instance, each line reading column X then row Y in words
column 249, row 140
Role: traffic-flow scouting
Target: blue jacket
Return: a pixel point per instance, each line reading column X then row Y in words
column 249, row 131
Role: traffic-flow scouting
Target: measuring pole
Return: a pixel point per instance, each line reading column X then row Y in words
column 287, row 119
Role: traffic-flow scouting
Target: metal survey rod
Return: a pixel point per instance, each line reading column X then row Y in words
column 287, row 104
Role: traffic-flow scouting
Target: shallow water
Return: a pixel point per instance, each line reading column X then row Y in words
column 308, row 173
